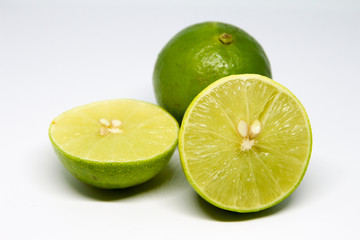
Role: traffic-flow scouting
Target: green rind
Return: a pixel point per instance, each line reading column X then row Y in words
column 115, row 174
column 112, row 175
column 183, row 127
column 185, row 66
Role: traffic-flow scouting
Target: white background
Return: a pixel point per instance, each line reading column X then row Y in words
column 58, row 55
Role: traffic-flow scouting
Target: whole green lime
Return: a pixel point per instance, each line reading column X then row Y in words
column 199, row 55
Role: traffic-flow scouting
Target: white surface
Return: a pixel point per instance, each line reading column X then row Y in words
column 57, row 56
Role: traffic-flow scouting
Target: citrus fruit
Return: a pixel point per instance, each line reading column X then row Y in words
column 199, row 55
column 115, row 143
column 245, row 143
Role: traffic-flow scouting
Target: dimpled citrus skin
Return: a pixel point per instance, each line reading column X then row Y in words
column 195, row 57
column 114, row 175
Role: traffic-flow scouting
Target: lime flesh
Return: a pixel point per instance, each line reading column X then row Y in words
column 245, row 143
column 116, row 143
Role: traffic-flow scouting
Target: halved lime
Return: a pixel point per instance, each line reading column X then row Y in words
column 245, row 143
column 116, row 143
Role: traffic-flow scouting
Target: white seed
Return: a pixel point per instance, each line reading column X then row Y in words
column 104, row 131
column 104, row 122
column 115, row 123
column 243, row 128
column 255, row 129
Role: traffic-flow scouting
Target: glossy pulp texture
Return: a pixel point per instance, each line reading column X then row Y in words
column 195, row 57
column 210, row 145
column 145, row 145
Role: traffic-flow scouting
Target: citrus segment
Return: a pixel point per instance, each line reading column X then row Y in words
column 245, row 143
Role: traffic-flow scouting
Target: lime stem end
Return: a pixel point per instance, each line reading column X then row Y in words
column 226, row 38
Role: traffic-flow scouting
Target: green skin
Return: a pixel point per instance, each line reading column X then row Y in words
column 112, row 175
column 200, row 55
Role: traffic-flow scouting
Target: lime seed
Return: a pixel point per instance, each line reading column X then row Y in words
column 255, row 129
column 243, row 128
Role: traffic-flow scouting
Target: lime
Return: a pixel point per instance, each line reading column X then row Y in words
column 199, row 55
column 116, row 143
column 245, row 143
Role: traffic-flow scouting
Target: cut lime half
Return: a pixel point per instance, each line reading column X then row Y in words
column 245, row 143
column 116, row 143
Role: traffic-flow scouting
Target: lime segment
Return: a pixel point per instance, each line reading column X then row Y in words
column 245, row 143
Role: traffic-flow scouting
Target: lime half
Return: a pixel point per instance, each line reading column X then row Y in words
column 245, row 143
column 116, row 143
